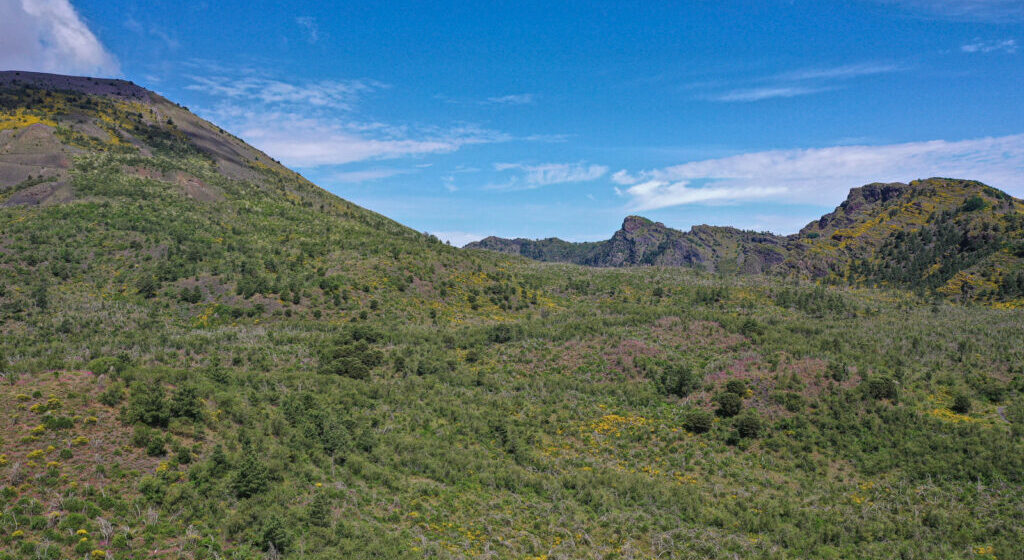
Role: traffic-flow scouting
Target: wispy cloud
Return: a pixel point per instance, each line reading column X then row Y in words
column 368, row 175
column 845, row 71
column 510, row 99
column 535, row 176
column 761, row 93
column 998, row 11
column 823, row 175
column 333, row 94
column 138, row 28
column 514, row 99
column 312, row 124
column 309, row 25
column 1008, row 46
column 308, row 142
column 793, row 83
column 49, row 36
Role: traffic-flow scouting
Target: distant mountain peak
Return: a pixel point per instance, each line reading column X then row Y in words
column 964, row 236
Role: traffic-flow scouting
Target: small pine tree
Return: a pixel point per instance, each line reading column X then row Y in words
column 251, row 477
column 185, row 403
column 319, row 511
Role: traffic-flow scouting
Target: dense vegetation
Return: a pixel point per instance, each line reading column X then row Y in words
column 246, row 367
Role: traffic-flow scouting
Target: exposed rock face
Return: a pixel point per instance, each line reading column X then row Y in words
column 642, row 242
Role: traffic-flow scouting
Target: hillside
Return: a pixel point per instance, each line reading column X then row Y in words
column 205, row 356
column 641, row 242
column 951, row 237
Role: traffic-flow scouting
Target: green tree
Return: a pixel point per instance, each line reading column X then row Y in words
column 186, row 404
column 678, row 379
column 147, row 285
column 251, row 475
column 148, row 405
column 961, row 404
column 319, row 510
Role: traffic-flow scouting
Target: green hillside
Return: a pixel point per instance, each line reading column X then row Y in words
column 941, row 237
column 206, row 356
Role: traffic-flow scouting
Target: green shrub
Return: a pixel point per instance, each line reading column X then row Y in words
column 961, row 404
column 185, row 403
column 838, row 371
column 729, row 405
column 737, row 387
column 148, row 405
column 678, row 379
column 697, row 421
column 748, row 424
column 881, row 387
column 112, row 395
column 973, row 203
column 106, row 365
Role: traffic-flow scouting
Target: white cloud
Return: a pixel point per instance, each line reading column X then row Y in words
column 1008, row 46
column 651, row 195
column 515, row 99
column 623, row 177
column 534, row 176
column 306, row 142
column 457, row 238
column 49, row 36
column 823, row 175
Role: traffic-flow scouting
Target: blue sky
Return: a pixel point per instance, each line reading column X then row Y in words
column 541, row 119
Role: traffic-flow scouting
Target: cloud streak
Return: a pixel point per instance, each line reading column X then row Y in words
column 367, row 175
column 305, row 142
column 822, row 176
column 1008, row 46
column 536, row 176
column 796, row 83
column 998, row 11
column 333, row 94
column 311, row 124
column 514, row 99
column 50, row 36
column 762, row 93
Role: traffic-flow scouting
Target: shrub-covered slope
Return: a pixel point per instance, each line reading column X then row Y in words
column 205, row 356
column 951, row 237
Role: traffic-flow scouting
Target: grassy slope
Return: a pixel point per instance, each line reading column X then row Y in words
column 519, row 409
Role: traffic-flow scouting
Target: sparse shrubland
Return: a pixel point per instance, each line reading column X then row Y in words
column 276, row 372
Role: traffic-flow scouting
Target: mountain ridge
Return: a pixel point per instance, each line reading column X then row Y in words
column 841, row 245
